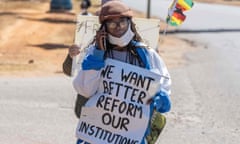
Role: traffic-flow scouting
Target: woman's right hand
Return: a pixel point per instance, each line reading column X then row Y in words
column 101, row 39
column 73, row 50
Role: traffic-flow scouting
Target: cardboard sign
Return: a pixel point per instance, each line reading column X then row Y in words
column 118, row 113
column 88, row 25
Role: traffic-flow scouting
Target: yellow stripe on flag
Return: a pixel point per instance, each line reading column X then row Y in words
column 185, row 5
column 178, row 21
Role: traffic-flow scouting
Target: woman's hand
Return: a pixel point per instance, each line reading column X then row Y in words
column 73, row 50
column 101, row 39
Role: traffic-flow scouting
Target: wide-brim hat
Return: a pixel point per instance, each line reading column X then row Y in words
column 113, row 9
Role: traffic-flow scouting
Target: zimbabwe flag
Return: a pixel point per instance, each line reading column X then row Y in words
column 175, row 12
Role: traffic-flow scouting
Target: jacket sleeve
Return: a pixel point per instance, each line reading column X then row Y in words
column 67, row 65
column 161, row 101
column 87, row 81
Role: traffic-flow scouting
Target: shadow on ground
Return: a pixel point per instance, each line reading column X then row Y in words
column 50, row 46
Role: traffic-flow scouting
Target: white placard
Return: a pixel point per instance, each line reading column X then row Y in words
column 119, row 112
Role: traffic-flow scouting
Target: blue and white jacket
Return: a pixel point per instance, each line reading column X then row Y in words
column 87, row 81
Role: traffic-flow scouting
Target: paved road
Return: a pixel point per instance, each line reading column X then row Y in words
column 206, row 91
column 37, row 111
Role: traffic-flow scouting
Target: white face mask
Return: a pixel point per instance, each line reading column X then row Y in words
column 123, row 40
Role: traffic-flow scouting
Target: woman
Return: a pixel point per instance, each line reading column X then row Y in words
column 118, row 39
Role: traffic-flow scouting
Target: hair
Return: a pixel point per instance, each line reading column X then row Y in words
column 137, row 36
column 85, row 4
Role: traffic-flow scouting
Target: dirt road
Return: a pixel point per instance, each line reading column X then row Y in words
column 34, row 42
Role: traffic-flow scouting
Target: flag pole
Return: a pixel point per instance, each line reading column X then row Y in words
column 170, row 12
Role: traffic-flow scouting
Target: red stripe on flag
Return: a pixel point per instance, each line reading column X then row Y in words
column 179, row 15
column 178, row 6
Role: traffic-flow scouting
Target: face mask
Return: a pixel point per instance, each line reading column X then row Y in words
column 123, row 40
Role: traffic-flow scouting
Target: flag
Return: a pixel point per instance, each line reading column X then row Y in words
column 175, row 12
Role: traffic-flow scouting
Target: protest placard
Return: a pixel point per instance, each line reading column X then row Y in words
column 119, row 112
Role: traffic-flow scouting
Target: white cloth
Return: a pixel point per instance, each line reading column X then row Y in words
column 123, row 40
